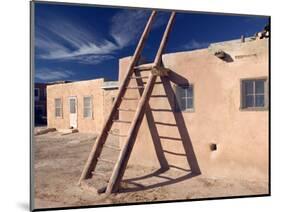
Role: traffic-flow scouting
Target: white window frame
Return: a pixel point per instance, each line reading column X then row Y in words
column 60, row 108
column 243, row 94
column 89, row 107
column 179, row 108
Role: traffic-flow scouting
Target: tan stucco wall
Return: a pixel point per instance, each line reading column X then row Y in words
column 79, row 90
column 241, row 136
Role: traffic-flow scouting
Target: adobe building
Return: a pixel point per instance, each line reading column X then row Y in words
column 210, row 115
column 81, row 105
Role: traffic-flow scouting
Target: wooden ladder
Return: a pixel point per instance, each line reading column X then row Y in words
column 156, row 69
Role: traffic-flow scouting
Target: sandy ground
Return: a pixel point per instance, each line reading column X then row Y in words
column 59, row 161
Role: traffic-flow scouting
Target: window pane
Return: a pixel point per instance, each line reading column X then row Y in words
column 189, row 91
column 72, row 106
column 259, row 100
column 189, row 103
column 249, row 87
column 180, row 91
column 185, row 97
column 249, row 101
column 87, row 107
column 259, row 86
column 87, row 112
column 57, row 112
column 57, row 103
column 87, row 102
column 182, row 103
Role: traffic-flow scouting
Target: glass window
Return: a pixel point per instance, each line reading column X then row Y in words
column 184, row 96
column 58, row 107
column 87, row 107
column 253, row 93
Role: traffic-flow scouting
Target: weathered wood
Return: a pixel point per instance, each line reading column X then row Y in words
column 139, row 77
column 126, row 98
column 135, row 87
column 125, row 109
column 116, row 134
column 96, row 150
column 124, row 156
column 122, row 121
column 144, row 67
column 158, row 58
column 106, row 160
column 112, row 147
column 122, row 161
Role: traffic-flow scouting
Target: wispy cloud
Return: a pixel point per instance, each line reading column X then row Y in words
column 193, row 44
column 127, row 25
column 47, row 74
column 62, row 39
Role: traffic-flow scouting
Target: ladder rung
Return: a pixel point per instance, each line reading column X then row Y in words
column 98, row 174
column 129, row 110
column 165, row 124
column 144, row 67
column 158, row 96
column 112, row 147
column 126, row 98
column 139, row 77
column 105, row 160
column 116, row 134
column 121, row 121
column 135, row 87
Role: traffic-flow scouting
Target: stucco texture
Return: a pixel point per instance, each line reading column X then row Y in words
column 241, row 136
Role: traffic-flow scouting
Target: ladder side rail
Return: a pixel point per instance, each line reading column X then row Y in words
column 96, row 150
column 158, row 57
column 124, row 156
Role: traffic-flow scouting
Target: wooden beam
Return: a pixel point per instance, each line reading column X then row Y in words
column 96, row 150
column 124, row 156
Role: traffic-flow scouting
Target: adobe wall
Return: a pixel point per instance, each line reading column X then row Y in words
column 241, row 136
column 79, row 90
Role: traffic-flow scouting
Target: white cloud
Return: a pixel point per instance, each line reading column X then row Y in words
column 47, row 74
column 126, row 26
column 68, row 40
column 193, row 44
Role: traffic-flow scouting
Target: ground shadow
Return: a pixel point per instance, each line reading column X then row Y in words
column 184, row 138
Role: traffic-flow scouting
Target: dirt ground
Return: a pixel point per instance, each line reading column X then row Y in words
column 59, row 160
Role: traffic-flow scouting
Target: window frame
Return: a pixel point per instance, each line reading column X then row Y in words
column 61, row 107
column 91, row 107
column 177, row 104
column 242, row 94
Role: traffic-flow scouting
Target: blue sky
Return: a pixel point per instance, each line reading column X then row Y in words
column 75, row 42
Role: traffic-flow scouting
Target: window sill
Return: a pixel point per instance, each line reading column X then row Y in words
column 187, row 111
column 254, row 109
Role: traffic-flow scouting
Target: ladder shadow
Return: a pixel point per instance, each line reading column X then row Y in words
column 184, row 138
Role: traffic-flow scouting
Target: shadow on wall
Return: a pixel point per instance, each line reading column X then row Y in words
column 156, row 138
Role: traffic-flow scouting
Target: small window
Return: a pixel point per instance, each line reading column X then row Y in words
column 184, row 95
column 254, row 93
column 58, row 107
column 36, row 93
column 88, row 107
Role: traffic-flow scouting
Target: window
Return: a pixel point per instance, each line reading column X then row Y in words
column 184, row 95
column 88, row 107
column 254, row 93
column 36, row 93
column 58, row 107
